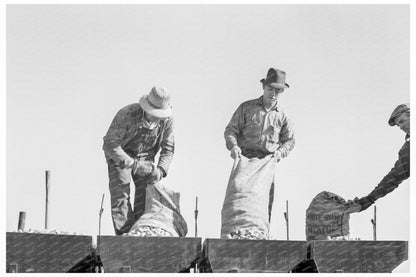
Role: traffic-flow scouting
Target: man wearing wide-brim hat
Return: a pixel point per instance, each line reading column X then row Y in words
column 401, row 170
column 137, row 133
column 260, row 127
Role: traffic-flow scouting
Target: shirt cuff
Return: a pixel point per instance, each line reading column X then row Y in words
column 163, row 171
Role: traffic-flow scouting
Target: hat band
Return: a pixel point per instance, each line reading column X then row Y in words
column 270, row 80
column 151, row 104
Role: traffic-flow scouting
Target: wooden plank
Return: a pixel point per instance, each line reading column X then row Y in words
column 148, row 254
column 232, row 255
column 34, row 252
column 359, row 256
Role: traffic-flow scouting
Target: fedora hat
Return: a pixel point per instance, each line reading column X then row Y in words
column 275, row 78
column 157, row 102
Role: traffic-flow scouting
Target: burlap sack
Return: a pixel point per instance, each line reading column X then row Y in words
column 162, row 216
column 245, row 208
column 328, row 215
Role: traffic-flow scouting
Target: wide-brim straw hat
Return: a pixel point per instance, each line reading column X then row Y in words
column 157, row 102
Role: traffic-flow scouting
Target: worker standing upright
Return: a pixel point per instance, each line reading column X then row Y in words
column 259, row 128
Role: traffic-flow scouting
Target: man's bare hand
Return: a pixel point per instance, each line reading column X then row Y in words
column 235, row 152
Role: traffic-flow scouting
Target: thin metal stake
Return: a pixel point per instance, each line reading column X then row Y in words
column 195, row 269
column 374, row 223
column 99, row 224
column 47, row 183
column 286, row 214
column 196, row 216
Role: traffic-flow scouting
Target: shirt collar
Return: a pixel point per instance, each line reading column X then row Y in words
column 259, row 102
column 141, row 120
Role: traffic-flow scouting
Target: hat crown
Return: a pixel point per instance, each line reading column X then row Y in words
column 275, row 75
column 275, row 78
column 159, row 97
column 402, row 108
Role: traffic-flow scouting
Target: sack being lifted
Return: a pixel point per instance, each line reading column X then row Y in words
column 244, row 213
column 162, row 217
column 327, row 217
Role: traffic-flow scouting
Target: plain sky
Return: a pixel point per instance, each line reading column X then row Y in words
column 70, row 68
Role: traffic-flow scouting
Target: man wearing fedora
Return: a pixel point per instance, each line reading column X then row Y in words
column 136, row 134
column 401, row 170
column 260, row 127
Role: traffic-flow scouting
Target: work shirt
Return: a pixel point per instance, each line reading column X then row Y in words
column 143, row 144
column 128, row 124
column 399, row 173
column 259, row 132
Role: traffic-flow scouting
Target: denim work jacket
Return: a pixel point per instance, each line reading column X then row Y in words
column 124, row 127
column 255, row 130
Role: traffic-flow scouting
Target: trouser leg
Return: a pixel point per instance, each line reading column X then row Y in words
column 140, row 195
column 121, row 211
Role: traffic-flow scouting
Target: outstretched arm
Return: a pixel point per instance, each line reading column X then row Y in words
column 399, row 173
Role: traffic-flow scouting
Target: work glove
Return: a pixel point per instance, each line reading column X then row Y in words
column 235, row 152
column 142, row 168
column 365, row 202
column 156, row 175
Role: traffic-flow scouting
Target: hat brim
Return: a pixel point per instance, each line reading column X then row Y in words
column 398, row 112
column 274, row 85
column 152, row 110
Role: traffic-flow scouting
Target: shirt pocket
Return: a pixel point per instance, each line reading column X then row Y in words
column 253, row 122
column 273, row 133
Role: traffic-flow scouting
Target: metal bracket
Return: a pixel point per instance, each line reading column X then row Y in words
column 12, row 268
column 125, row 269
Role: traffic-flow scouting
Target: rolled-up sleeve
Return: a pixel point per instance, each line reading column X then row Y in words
column 233, row 128
column 286, row 138
column 167, row 146
column 113, row 138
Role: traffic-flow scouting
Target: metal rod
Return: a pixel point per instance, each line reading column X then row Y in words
column 195, row 270
column 374, row 222
column 22, row 221
column 47, row 183
column 196, row 216
column 286, row 214
column 287, row 221
column 99, row 224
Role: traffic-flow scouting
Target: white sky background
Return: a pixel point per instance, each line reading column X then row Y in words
column 71, row 68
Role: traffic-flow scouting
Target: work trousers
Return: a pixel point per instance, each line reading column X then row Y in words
column 122, row 213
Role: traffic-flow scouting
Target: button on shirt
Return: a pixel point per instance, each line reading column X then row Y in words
column 256, row 130
column 144, row 143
